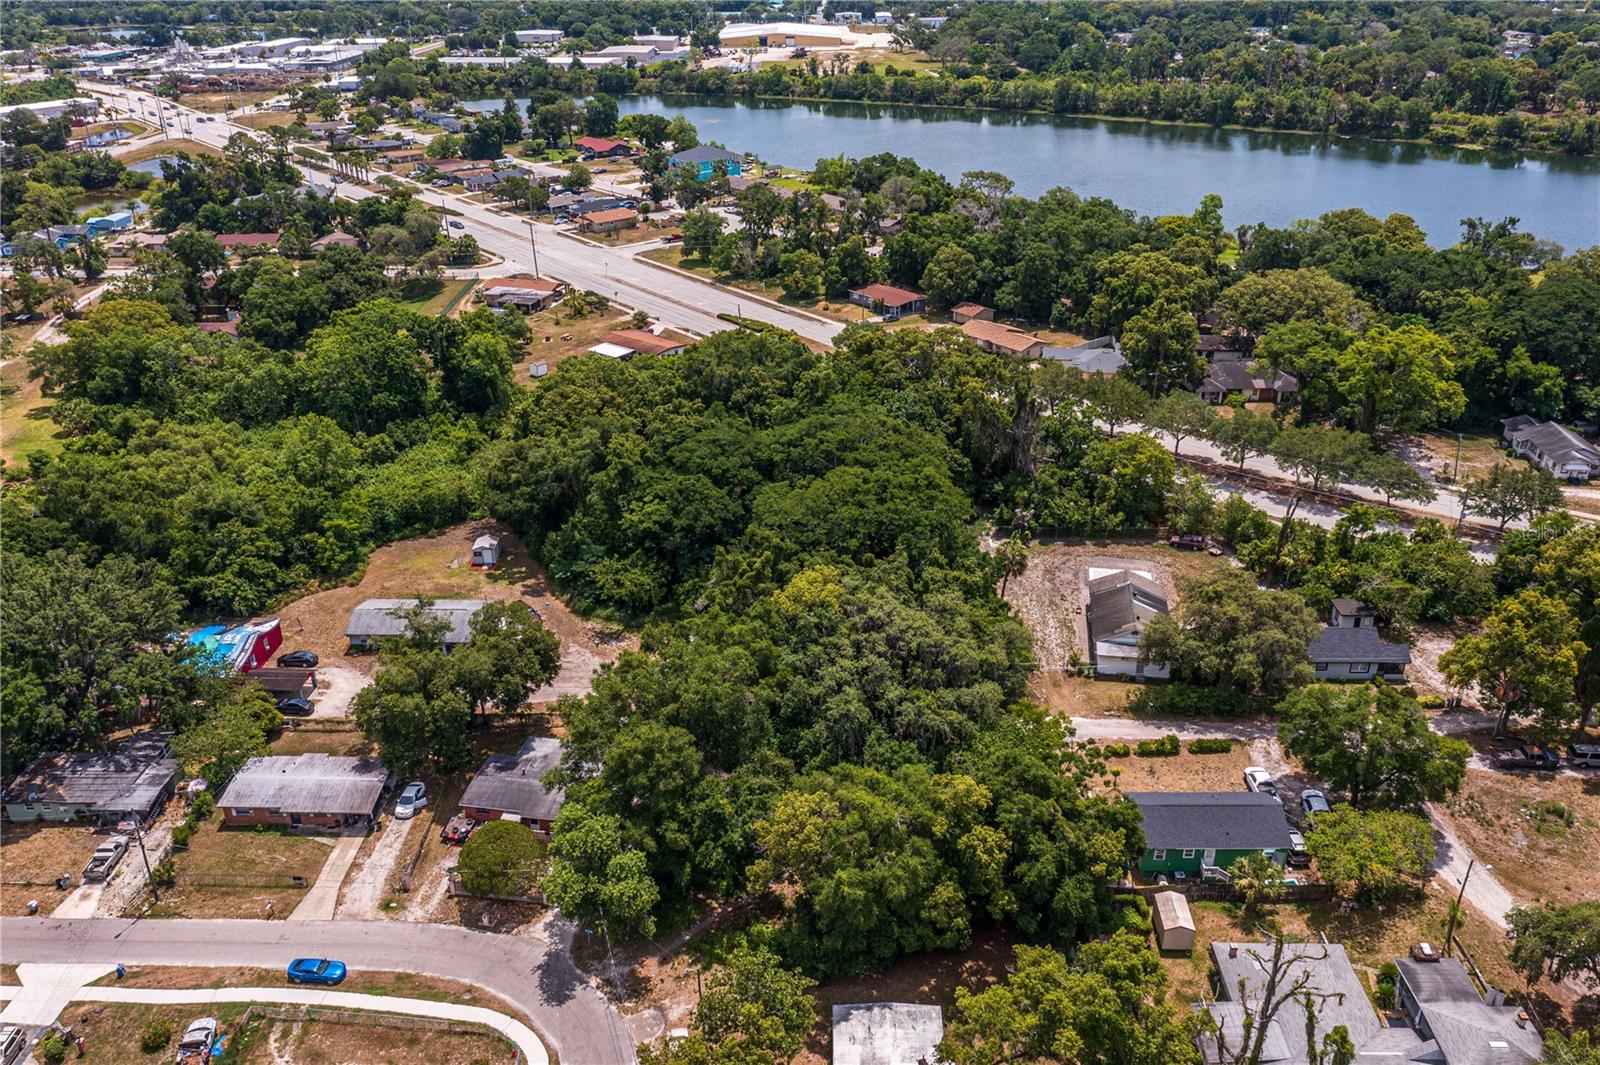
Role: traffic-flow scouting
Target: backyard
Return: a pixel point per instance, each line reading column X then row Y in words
column 558, row 337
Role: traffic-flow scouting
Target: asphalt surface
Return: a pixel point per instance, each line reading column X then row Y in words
column 531, row 974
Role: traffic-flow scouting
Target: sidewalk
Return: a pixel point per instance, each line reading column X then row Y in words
column 319, row 903
column 46, row 990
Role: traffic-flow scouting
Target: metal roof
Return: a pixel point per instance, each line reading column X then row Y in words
column 1211, row 820
column 514, row 783
column 131, row 778
column 1356, row 645
column 308, row 783
column 381, row 617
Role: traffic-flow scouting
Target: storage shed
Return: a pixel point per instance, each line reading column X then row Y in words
column 486, row 551
column 1174, row 923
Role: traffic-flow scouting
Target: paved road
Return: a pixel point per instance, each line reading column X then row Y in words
column 528, row 972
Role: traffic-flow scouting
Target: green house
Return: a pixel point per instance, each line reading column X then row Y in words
column 1202, row 833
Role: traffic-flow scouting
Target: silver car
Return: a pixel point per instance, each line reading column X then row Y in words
column 411, row 800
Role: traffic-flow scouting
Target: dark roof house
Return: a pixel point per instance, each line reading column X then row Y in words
column 1342, row 652
column 513, row 784
column 1556, row 449
column 1228, row 376
column 1212, row 820
column 135, row 779
column 1443, row 1004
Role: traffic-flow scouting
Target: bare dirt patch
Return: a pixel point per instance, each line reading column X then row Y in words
column 368, row 882
column 1183, row 772
column 32, row 855
column 558, row 337
column 1074, row 696
column 1541, row 831
column 373, row 1039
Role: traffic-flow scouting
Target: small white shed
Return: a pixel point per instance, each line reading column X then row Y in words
column 1174, row 923
column 486, row 551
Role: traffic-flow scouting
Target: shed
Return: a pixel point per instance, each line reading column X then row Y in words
column 377, row 618
column 1174, row 923
column 971, row 312
column 887, row 1033
column 486, row 551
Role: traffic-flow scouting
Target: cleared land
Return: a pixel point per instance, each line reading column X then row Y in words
column 25, row 425
column 558, row 337
column 236, row 872
column 1540, row 830
column 1183, row 772
column 172, row 146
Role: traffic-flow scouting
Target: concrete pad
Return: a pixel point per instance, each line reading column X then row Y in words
column 319, row 903
column 83, row 902
column 46, row 990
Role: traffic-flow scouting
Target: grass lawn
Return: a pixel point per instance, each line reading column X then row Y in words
column 163, row 148
column 269, row 119
column 218, row 102
column 436, row 297
column 311, row 740
column 557, row 338
column 33, row 854
column 25, row 425
column 1540, row 831
column 840, row 310
column 1480, row 452
column 111, row 1031
column 235, row 872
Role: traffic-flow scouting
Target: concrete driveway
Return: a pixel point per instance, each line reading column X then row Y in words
column 337, row 687
column 532, row 972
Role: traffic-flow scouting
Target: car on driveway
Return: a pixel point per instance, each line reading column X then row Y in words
column 1298, row 858
column 299, row 660
column 1314, row 803
column 1256, row 778
column 1583, row 754
column 1527, row 757
column 295, row 706
column 316, row 971
column 411, row 800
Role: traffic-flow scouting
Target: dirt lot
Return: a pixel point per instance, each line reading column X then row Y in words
column 1521, row 822
column 557, row 338
column 162, row 148
column 438, row 566
column 111, row 1030
column 33, row 855
column 1072, row 696
column 236, row 872
column 1185, row 772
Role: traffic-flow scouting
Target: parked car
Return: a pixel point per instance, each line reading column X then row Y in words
column 295, row 706
column 316, row 971
column 299, row 659
column 1187, row 541
column 1583, row 754
column 1527, row 757
column 561, row 220
column 456, row 225
column 412, row 799
column 105, row 858
column 198, row 1039
column 673, row 238
column 1313, row 803
column 1256, row 778
column 459, row 828
column 440, row 183
column 1298, row 857
column 12, row 1045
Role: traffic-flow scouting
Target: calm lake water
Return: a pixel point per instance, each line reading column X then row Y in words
column 1275, row 178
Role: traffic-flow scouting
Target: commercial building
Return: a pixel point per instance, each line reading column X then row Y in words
column 305, row 790
column 45, row 110
column 525, row 293
column 784, row 35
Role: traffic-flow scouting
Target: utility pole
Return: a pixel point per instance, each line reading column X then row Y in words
column 138, row 834
column 1457, row 470
column 535, row 246
column 1450, row 929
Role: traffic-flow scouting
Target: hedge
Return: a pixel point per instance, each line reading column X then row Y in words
column 1214, row 745
column 1190, row 700
column 1165, row 747
column 1115, row 750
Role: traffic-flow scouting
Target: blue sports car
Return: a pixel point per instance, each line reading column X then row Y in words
column 316, row 971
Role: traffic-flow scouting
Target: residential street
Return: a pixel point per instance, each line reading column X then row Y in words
column 527, row 971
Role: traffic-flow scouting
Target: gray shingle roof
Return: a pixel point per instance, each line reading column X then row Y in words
column 308, row 783
column 379, row 617
column 1356, row 645
column 514, row 783
column 1467, row 1029
column 1235, row 375
column 129, row 779
column 1553, row 441
column 1204, row 820
column 703, row 154
column 1122, row 603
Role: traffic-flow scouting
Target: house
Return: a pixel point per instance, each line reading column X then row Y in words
column 887, row 1033
column 889, row 301
column 132, row 781
column 282, row 682
column 1221, row 346
column 115, row 222
column 400, row 156
column 704, row 159
column 601, row 147
column 337, row 239
column 1351, row 649
column 1228, row 376
column 1001, row 339
column 608, row 221
column 1443, row 1005
column 479, row 180
column 305, row 791
column 962, row 313
column 234, row 243
column 227, row 327
column 1121, row 603
column 1554, row 448
column 1174, row 924
column 63, row 237
column 1102, row 355
column 238, row 647
column 1199, row 834
column 486, row 551
column 526, row 293
column 626, row 343
column 131, row 243
column 510, row 787
column 375, row 619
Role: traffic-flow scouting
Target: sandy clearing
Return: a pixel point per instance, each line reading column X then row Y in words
column 368, row 885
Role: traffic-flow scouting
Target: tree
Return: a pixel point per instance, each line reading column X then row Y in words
column 800, row 274
column 1116, row 401
column 593, row 878
column 1258, row 880
column 1161, row 346
column 228, row 736
column 1524, row 659
column 1244, row 434
column 577, row 177
column 1376, row 856
column 1399, row 380
column 1371, row 742
column 1575, row 1049
column 1225, row 630
column 652, row 131
column 1395, row 478
column 1556, row 941
column 756, row 1002
column 501, row 858
column 600, row 115
column 681, row 132
column 1509, row 492
column 1259, row 301
column 1180, row 415
column 413, row 711
column 511, row 652
column 701, row 228
column 1011, row 559
column 1287, row 974
column 951, row 275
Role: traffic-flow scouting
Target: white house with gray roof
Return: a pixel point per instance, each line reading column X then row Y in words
column 1554, row 448
column 375, row 619
column 1121, row 603
column 1350, row 649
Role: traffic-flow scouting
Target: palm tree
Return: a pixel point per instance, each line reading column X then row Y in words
column 1012, row 561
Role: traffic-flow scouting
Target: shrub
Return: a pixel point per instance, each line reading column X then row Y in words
column 1388, row 978
column 1430, row 701
column 52, row 1049
column 1210, row 745
column 182, row 834
column 501, row 858
column 1190, row 700
column 1135, row 920
column 205, row 804
column 1115, row 750
column 154, row 1036
column 1165, row 747
column 164, row 874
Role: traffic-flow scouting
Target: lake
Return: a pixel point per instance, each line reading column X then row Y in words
column 1156, row 169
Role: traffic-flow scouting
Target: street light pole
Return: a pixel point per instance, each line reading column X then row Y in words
column 1450, row 929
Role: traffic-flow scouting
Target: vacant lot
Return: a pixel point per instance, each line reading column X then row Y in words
column 164, row 148
column 25, row 425
column 1183, row 772
column 1541, row 831
column 437, row 297
column 558, row 337
column 32, row 855
column 236, row 872
column 111, row 1030
column 1435, row 453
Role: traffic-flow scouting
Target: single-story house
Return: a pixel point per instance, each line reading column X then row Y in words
column 608, row 221
column 1443, row 1005
column 510, row 787
column 1002, row 339
column 1222, row 346
column 1351, row 649
column 1174, row 924
column 1102, row 355
column 133, row 780
column 971, row 312
column 1121, row 604
column 375, row 619
column 1554, row 448
column 528, row 293
column 64, row 237
column 1230, row 376
column 235, row 242
column 1199, row 834
column 284, row 682
column 114, row 222
column 129, row 243
column 479, row 180
column 305, row 790
column 404, row 155
column 446, row 167
column 486, row 551
column 601, row 147
column 704, row 159
column 337, row 239
column 887, row 1033
column 626, row 343
column 226, row 326
column 889, row 301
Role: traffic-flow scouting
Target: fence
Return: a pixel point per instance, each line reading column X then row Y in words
column 302, row 1014
column 1211, row 891
column 242, row 880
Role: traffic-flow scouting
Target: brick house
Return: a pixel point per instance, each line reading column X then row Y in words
column 305, row 791
column 608, row 221
column 510, row 787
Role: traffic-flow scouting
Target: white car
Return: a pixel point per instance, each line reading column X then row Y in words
column 1256, row 778
column 412, row 799
column 195, row 1046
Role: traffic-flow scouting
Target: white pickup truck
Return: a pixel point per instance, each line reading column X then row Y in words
column 106, row 856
